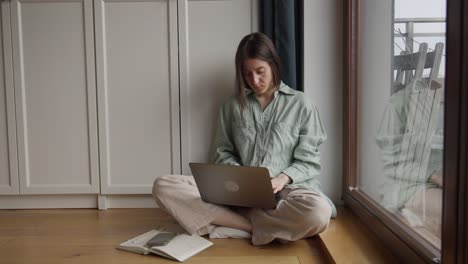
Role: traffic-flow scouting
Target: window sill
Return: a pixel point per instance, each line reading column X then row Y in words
column 347, row 240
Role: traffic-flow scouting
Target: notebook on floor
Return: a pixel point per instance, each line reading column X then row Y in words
column 180, row 248
column 234, row 185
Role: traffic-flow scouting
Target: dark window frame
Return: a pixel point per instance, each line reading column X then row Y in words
column 405, row 243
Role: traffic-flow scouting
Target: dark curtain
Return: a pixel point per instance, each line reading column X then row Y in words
column 282, row 22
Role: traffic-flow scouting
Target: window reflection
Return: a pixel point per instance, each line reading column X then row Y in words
column 405, row 117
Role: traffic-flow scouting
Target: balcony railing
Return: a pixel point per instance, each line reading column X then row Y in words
column 409, row 35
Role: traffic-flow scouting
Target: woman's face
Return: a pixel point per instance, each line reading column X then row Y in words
column 258, row 75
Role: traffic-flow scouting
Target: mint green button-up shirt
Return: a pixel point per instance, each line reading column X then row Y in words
column 284, row 137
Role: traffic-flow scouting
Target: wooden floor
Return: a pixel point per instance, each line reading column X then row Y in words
column 90, row 236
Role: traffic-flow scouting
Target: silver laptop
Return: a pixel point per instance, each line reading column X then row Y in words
column 234, row 185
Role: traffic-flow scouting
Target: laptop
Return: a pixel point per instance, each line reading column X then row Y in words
column 234, row 185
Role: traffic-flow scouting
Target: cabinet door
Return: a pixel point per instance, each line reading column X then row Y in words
column 55, row 96
column 8, row 160
column 137, row 73
column 209, row 34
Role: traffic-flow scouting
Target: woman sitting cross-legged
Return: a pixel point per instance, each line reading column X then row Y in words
column 265, row 124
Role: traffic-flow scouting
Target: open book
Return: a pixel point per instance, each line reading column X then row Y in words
column 180, row 248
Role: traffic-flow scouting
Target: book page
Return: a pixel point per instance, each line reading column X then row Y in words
column 138, row 244
column 183, row 246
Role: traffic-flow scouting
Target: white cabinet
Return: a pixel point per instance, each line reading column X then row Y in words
column 55, row 94
column 103, row 96
column 8, row 161
column 209, row 35
column 138, row 98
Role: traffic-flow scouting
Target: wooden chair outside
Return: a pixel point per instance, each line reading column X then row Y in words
column 405, row 136
column 423, row 97
column 409, row 66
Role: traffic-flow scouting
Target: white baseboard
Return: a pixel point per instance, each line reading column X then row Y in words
column 128, row 201
column 76, row 201
column 48, row 201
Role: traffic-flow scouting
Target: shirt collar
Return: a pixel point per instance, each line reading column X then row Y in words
column 283, row 89
column 286, row 89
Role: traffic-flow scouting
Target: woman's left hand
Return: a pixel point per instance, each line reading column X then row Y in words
column 279, row 182
column 437, row 178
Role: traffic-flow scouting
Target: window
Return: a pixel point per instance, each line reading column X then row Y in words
column 404, row 136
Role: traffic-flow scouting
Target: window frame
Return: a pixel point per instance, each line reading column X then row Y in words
column 400, row 239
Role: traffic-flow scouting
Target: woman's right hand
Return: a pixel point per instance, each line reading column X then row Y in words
column 279, row 182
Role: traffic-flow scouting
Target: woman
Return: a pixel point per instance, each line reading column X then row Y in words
column 266, row 124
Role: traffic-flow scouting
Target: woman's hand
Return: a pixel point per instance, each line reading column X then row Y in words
column 279, row 182
column 437, row 178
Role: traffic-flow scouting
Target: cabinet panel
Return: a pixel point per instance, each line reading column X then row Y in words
column 209, row 37
column 137, row 72
column 8, row 159
column 55, row 96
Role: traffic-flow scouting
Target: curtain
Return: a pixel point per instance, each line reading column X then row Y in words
column 282, row 22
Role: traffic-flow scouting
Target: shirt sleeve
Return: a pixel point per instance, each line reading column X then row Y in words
column 306, row 156
column 390, row 137
column 395, row 152
column 224, row 150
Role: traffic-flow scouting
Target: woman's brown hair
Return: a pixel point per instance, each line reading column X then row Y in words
column 255, row 46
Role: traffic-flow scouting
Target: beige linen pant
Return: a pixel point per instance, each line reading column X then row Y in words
column 299, row 213
column 426, row 205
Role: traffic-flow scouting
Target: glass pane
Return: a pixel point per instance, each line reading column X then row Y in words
column 401, row 87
